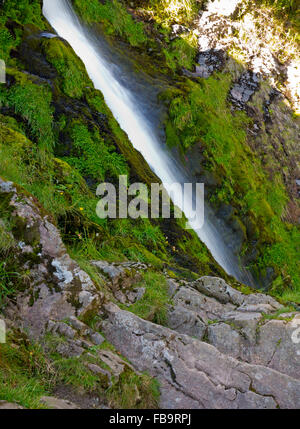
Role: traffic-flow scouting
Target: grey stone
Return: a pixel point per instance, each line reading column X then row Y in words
column 225, row 339
column 219, row 289
column 186, row 322
column 97, row 338
column 4, row 405
column 57, row 404
column 204, row 377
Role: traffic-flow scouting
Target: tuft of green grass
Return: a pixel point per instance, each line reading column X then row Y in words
column 154, row 304
column 277, row 315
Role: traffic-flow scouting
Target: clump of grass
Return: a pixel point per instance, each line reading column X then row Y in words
column 129, row 390
column 154, row 304
column 25, row 373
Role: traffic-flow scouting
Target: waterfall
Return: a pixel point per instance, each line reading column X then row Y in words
column 132, row 116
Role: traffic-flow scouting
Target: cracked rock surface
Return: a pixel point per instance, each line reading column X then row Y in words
column 195, row 374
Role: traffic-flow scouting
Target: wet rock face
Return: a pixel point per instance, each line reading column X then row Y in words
column 244, row 89
column 208, row 62
column 251, row 36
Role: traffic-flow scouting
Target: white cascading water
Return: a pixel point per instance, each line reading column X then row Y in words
column 132, row 118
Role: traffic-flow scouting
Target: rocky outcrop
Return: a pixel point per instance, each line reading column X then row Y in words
column 245, row 327
column 122, row 278
column 194, row 374
column 252, row 38
column 58, row 288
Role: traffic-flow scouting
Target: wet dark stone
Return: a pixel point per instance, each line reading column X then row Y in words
column 244, row 89
column 30, row 53
column 272, row 96
column 210, row 61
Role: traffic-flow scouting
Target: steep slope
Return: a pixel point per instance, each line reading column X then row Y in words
column 77, row 291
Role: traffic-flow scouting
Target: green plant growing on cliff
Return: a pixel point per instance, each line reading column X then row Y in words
column 94, row 157
column 115, row 18
column 69, row 66
column 201, row 115
column 23, row 98
column 6, row 43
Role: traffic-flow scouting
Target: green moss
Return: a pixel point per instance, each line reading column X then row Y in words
column 70, row 68
column 115, row 18
column 181, row 53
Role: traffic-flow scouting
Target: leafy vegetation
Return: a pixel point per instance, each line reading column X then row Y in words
column 69, row 66
column 200, row 114
column 93, row 157
column 115, row 18
column 154, row 304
